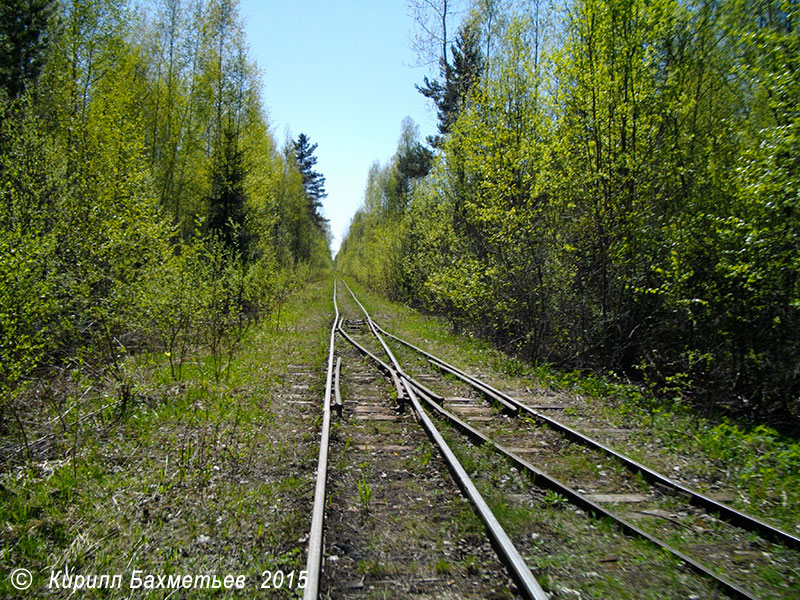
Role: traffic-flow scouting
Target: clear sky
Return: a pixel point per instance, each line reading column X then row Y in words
column 340, row 72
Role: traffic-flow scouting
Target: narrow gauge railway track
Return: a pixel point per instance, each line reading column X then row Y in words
column 610, row 473
column 393, row 522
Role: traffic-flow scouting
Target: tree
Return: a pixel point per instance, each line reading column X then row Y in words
column 412, row 162
column 226, row 204
column 451, row 94
column 25, row 34
column 619, row 192
column 313, row 182
column 169, row 98
column 431, row 21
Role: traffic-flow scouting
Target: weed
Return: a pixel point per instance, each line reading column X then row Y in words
column 554, row 499
column 375, row 568
column 364, row 493
column 472, row 564
column 425, row 456
column 421, row 457
column 441, row 567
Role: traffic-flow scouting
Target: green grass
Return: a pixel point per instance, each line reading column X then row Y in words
column 442, row 567
column 377, row 569
column 198, row 476
column 364, row 493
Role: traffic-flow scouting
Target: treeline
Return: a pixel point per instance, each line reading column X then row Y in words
column 144, row 203
column 615, row 186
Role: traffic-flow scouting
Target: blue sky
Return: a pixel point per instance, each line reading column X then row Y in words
column 340, row 72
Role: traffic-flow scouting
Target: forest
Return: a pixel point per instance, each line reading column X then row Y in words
column 604, row 226
column 614, row 186
column 145, row 205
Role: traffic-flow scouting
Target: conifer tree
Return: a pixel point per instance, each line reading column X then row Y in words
column 412, row 162
column 226, row 204
column 451, row 95
column 24, row 39
column 313, row 182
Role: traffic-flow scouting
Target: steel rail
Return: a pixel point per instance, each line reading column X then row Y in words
column 726, row 512
column 425, row 389
column 527, row 583
column 397, row 369
column 542, row 479
column 314, row 560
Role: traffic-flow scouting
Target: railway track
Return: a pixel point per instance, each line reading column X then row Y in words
column 527, row 447
column 386, row 483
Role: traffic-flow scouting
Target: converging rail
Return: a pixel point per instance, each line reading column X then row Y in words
column 413, row 392
column 739, row 518
column 528, row 585
column 545, row 480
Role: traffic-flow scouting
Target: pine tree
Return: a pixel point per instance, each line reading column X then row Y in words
column 459, row 78
column 413, row 161
column 313, row 182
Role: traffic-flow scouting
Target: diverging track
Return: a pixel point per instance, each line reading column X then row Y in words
column 395, row 523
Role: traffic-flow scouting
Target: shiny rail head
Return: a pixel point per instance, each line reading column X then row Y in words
column 315, row 536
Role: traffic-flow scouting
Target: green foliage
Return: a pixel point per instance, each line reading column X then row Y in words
column 169, row 304
column 204, row 294
column 759, row 460
column 226, row 203
column 554, row 499
column 144, row 205
column 364, row 493
column 617, row 191
column 26, row 297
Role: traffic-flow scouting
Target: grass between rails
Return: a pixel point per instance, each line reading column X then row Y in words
column 757, row 468
column 198, row 478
